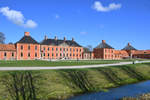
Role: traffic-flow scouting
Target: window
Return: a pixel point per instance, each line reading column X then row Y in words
column 70, row 49
column 64, row 49
column 80, row 50
column 44, row 55
column 12, row 54
column 73, row 49
column 48, row 48
column 5, row 54
column 44, row 48
column 67, row 49
column 52, row 54
column 28, row 54
column 70, row 55
column 77, row 50
column 35, row 47
column 56, row 49
column 73, row 54
column 35, row 54
column 60, row 54
column 67, row 54
column 56, row 54
column 21, row 54
column 60, row 49
column 28, row 47
column 21, row 47
column 52, row 49
column 48, row 54
column 64, row 55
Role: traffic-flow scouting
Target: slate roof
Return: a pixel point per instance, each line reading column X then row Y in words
column 129, row 47
column 27, row 39
column 7, row 47
column 104, row 45
column 58, row 42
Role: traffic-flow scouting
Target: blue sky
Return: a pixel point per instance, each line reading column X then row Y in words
column 88, row 21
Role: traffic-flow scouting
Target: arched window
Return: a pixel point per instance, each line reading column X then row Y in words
column 12, row 54
column 35, row 54
column 21, row 54
column 28, row 54
column 5, row 54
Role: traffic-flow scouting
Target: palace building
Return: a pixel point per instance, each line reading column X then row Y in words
column 58, row 49
column 27, row 48
column 105, row 51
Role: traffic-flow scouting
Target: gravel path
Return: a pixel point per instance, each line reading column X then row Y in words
column 66, row 67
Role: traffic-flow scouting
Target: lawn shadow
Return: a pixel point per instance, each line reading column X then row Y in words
column 110, row 75
column 78, row 78
column 132, row 72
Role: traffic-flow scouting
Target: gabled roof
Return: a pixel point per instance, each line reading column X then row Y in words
column 129, row 47
column 59, row 42
column 28, row 40
column 104, row 45
column 7, row 47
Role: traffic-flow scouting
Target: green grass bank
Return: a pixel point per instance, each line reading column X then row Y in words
column 62, row 84
column 33, row 63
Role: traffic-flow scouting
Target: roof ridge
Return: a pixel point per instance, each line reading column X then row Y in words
column 27, row 39
column 104, row 45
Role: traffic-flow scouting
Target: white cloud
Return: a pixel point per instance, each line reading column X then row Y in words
column 17, row 17
column 30, row 24
column 100, row 8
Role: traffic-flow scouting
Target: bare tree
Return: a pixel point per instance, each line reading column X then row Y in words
column 88, row 48
column 21, row 85
column 2, row 38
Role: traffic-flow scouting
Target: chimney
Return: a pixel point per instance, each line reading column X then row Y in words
column 46, row 37
column 72, row 39
column 27, row 33
column 64, row 38
column 129, row 44
column 55, row 38
column 103, row 41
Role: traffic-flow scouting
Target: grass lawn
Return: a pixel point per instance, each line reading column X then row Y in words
column 37, row 63
column 61, row 84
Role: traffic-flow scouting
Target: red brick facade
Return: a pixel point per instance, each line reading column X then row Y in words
column 61, row 52
column 104, row 51
column 29, row 49
column 7, row 52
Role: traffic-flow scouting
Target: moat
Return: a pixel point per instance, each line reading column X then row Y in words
column 131, row 90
